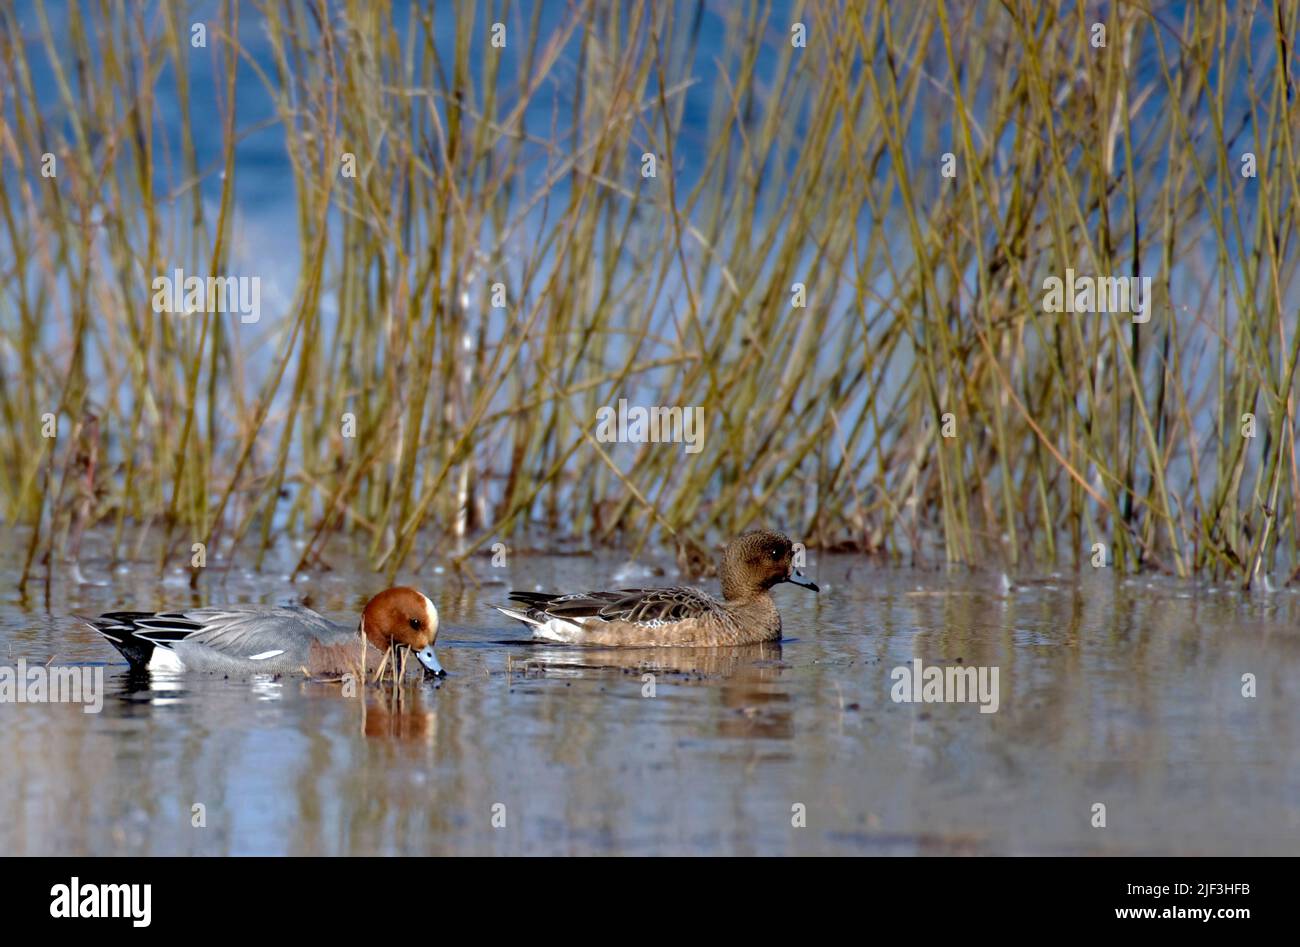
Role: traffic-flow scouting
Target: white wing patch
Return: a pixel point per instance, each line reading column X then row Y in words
column 264, row 655
column 164, row 659
column 557, row 629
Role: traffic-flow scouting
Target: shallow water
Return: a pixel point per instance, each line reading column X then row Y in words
column 1124, row 692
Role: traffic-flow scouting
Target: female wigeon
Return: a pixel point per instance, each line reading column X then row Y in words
column 276, row 639
column 675, row 617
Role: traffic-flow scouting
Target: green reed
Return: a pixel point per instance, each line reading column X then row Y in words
column 819, row 166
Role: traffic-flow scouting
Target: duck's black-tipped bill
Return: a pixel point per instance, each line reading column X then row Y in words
column 430, row 662
column 798, row 578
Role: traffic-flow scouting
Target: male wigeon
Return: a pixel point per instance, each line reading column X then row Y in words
column 276, row 639
column 675, row 617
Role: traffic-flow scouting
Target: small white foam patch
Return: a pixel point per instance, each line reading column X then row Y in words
column 164, row 659
column 265, row 654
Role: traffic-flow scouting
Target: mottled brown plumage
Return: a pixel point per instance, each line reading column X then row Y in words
column 675, row 617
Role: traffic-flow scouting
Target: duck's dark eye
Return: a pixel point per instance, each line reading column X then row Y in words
column 415, row 623
column 776, row 554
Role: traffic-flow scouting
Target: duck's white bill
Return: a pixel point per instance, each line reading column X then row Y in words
column 430, row 661
column 798, row 578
